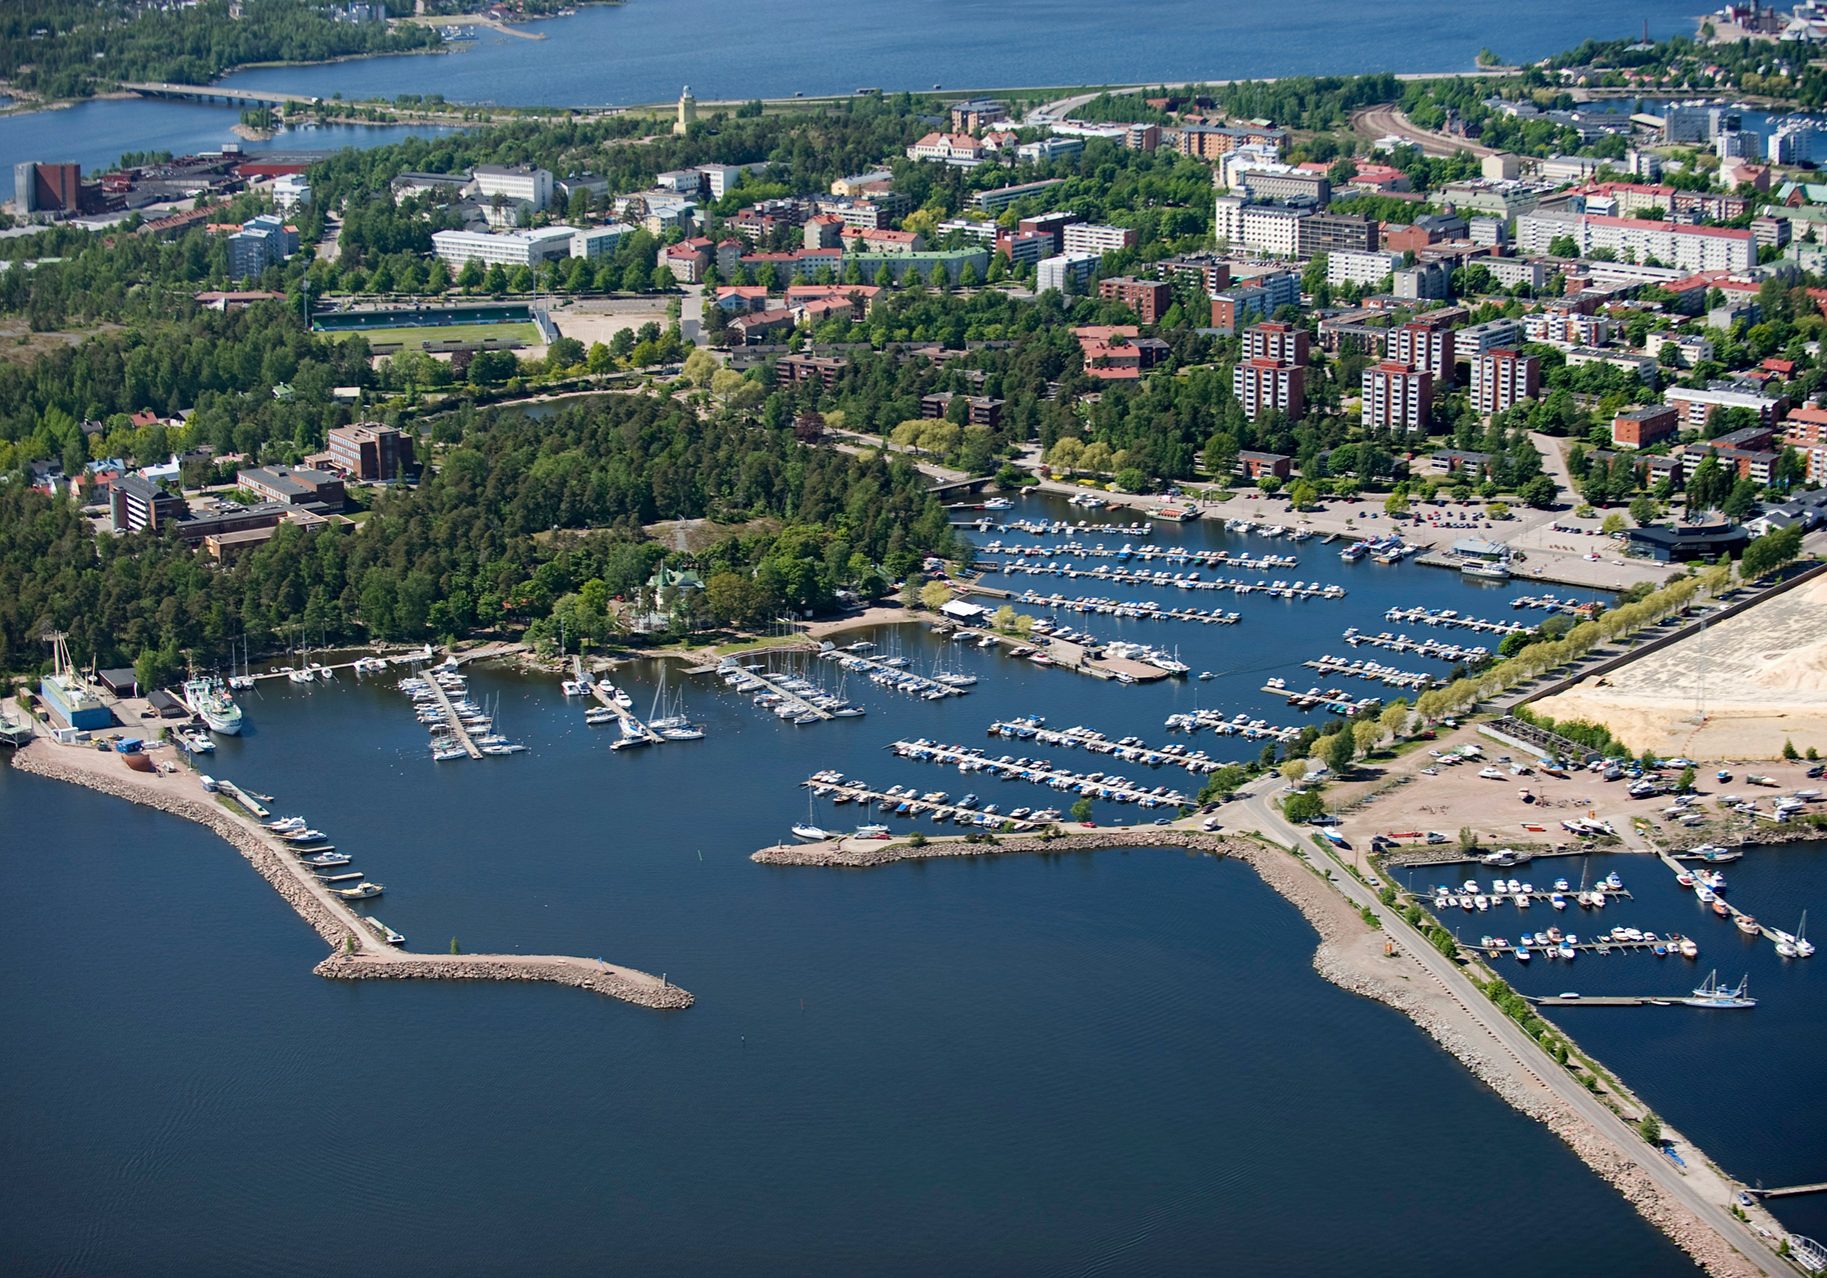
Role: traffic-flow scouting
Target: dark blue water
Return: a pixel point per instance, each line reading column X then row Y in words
column 1118, row 1063
column 96, row 134
column 644, row 51
column 1740, row 1083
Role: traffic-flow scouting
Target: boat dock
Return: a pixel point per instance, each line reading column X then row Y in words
column 242, row 797
column 892, row 673
column 968, row 759
column 452, row 720
column 1065, row 654
column 631, row 722
column 1336, row 700
column 1733, row 913
column 1178, row 581
column 1166, row 554
column 1129, row 609
column 1129, row 749
column 1454, row 620
column 1604, row 1000
column 1433, row 648
column 1052, row 527
column 1548, row 603
column 833, row 785
column 1331, row 665
column 1237, row 725
column 1791, row 1191
column 774, row 685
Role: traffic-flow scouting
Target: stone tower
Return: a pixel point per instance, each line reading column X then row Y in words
column 688, row 111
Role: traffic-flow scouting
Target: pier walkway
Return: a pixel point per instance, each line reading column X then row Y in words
column 631, row 722
column 1337, row 700
column 968, row 759
column 1733, row 914
column 453, row 720
column 1434, row 648
column 1178, row 581
column 1176, row 555
column 1128, row 749
column 885, row 674
column 1123, row 609
column 832, row 785
column 786, row 694
column 1792, row 1191
column 1360, row 669
column 1448, row 618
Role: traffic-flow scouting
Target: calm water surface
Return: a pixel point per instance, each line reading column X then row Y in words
column 1118, row 1064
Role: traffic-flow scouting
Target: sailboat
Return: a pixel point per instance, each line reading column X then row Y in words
column 668, row 718
column 809, row 832
column 1712, row 994
column 1796, row 946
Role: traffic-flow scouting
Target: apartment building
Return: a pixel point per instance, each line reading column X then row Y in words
column 1696, row 405
column 1644, row 427
column 519, row 184
column 1396, row 397
column 1149, row 299
column 520, row 247
column 1688, row 248
column 1425, row 346
column 1502, row 379
column 1089, row 237
column 1276, row 341
column 1262, row 384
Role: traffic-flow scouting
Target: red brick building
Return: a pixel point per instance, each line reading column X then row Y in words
column 1149, row 299
column 1645, row 426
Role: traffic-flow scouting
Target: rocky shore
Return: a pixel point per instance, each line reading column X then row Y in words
column 356, row 953
column 1351, row 956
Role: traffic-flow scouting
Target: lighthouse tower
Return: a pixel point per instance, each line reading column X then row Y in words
column 688, row 111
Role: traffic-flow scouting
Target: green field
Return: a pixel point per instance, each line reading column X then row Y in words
column 442, row 337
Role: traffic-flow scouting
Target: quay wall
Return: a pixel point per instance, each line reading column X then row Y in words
column 356, row 953
column 1350, row 956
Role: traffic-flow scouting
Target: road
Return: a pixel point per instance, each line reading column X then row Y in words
column 1386, row 120
column 1255, row 808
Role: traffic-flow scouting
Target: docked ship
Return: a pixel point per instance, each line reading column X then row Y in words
column 1712, row 994
column 210, row 702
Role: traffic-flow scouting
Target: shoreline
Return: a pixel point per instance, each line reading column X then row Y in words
column 1349, row 957
column 356, row 952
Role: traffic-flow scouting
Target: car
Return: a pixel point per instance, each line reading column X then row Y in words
column 1815, row 772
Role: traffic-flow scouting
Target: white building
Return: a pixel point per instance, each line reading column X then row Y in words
column 1048, row 149
column 291, row 192
column 1089, row 237
column 1395, row 397
column 1274, row 229
column 1688, row 248
column 598, row 241
column 1567, row 328
column 508, row 248
column 520, row 185
column 1348, row 266
column 1066, row 272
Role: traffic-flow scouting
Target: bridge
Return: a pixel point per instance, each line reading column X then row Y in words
column 961, row 485
column 224, row 97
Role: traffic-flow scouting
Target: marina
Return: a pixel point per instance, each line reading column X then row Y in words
column 894, row 673
column 1236, row 725
column 1128, row 749
column 1092, row 785
column 1328, row 664
column 787, row 696
column 1054, row 527
column 935, row 805
column 1432, row 648
column 1103, row 573
column 1126, row 609
column 1331, row 700
column 1148, row 554
column 1450, row 618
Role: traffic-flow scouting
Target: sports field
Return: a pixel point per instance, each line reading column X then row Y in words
column 443, row 337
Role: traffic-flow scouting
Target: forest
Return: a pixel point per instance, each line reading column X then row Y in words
column 55, row 47
column 520, row 519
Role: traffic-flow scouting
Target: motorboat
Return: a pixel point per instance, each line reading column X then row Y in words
column 361, row 891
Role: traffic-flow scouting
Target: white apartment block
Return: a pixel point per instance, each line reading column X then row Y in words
column 1475, row 339
column 521, row 185
column 599, row 241
column 1502, row 379
column 1262, row 385
column 1089, row 237
column 1272, row 229
column 1689, row 248
column 1396, row 397
column 291, row 192
column 1697, row 404
column 509, row 248
column 1428, row 348
column 1349, row 266
column 1066, row 272
column 1567, row 328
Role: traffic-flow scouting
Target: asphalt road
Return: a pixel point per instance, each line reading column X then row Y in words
column 1255, row 808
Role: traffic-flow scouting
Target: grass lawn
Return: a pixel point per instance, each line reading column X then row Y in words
column 438, row 337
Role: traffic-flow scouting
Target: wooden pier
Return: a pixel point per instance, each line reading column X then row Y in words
column 452, row 719
column 1792, row 1191
column 1733, row 913
column 1179, row 581
column 1122, row 609
column 629, row 719
column 1197, row 762
column 1435, row 649
column 1605, row 1000
column 1176, row 555
column 1456, row 621
column 968, row 759
column 870, row 666
column 860, row 792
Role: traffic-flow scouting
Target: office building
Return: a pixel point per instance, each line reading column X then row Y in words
column 300, row 486
column 370, row 451
column 520, row 184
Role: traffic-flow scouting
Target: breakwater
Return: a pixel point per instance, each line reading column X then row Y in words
column 1352, row 956
column 357, row 954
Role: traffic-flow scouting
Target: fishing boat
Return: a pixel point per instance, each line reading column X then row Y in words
column 1710, row 993
column 361, row 891
column 210, row 702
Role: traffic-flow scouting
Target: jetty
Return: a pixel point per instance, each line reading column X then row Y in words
column 1791, row 1191
column 242, row 797
column 1066, row 654
column 1550, row 603
column 891, row 672
column 453, row 722
column 1091, row 785
column 1732, row 913
column 1605, row 1000
column 358, row 953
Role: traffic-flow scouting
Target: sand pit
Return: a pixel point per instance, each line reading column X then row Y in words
column 1736, row 690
